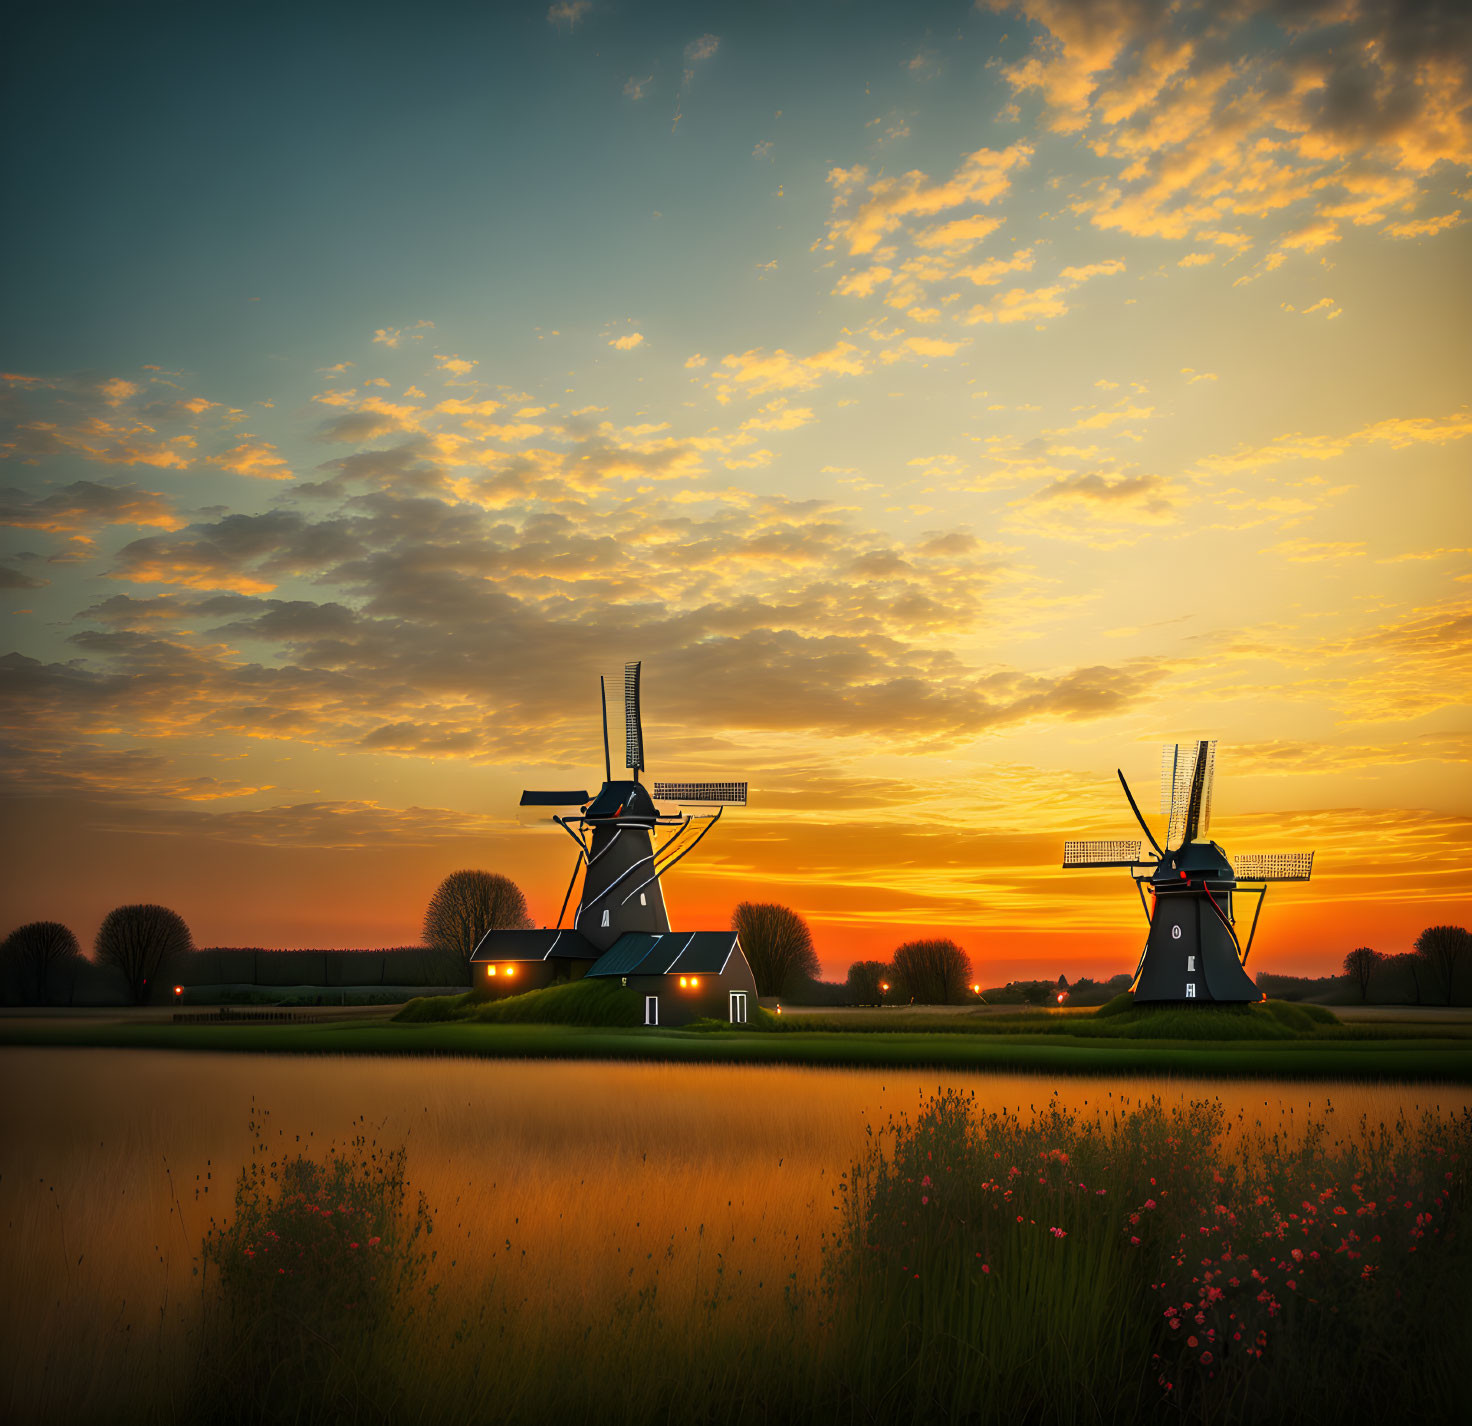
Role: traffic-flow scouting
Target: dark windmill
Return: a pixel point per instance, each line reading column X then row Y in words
column 1193, row 951
column 620, row 925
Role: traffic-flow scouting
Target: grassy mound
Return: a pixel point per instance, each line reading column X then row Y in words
column 583, row 1002
column 1266, row 1020
column 596, row 1003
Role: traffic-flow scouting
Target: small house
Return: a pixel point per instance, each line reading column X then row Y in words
column 679, row 976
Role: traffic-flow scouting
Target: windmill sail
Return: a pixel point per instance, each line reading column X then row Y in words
column 633, row 723
column 1187, row 774
column 1115, row 853
column 554, row 799
column 731, row 794
column 1273, row 866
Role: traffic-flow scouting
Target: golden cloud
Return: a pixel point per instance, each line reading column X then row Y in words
column 254, row 458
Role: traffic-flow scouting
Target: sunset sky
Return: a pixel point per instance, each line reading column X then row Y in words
column 948, row 403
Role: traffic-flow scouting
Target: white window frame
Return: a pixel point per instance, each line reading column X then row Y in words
column 1190, row 991
column 651, row 1010
column 738, row 1002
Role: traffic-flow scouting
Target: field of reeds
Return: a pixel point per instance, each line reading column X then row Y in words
column 213, row 1237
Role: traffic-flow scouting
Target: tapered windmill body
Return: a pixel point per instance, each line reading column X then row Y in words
column 1194, row 952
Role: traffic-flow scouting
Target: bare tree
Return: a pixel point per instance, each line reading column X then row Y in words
column 1359, row 965
column 139, row 941
column 778, row 946
column 35, row 957
column 1444, row 949
column 466, row 905
column 864, row 981
column 932, row 973
column 1407, row 964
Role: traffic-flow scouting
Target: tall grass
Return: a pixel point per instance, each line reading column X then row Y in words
column 1147, row 1264
column 626, row 1242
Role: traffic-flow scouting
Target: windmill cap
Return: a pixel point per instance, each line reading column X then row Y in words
column 1196, row 860
column 628, row 799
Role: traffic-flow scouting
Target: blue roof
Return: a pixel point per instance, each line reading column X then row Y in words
column 533, row 946
column 673, row 953
column 625, row 955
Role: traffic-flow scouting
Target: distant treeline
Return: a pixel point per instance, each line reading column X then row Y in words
column 228, row 973
column 259, row 965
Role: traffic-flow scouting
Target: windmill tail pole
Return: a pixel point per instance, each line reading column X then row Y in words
column 1261, row 895
column 1135, row 808
column 607, row 756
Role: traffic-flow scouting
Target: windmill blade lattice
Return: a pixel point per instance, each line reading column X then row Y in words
column 1178, row 769
column 731, row 794
column 1115, row 853
column 633, row 722
column 1273, row 866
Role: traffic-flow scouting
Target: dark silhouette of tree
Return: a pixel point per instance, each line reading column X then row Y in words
column 778, row 946
column 1359, row 965
column 36, row 958
column 466, row 905
column 932, row 973
column 139, row 941
column 1407, row 965
column 864, row 980
column 1443, row 949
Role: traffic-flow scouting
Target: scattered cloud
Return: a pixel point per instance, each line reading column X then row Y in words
column 1424, row 227
column 566, row 14
column 86, row 505
column 702, row 49
column 867, row 210
column 758, row 372
column 254, row 458
column 1294, row 117
column 1318, row 552
column 394, row 336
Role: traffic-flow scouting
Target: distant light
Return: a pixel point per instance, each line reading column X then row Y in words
column 490, row 970
column 694, row 981
column 1061, row 996
column 178, row 990
column 884, row 986
column 779, row 1010
column 510, row 970
column 976, row 990
column 684, row 981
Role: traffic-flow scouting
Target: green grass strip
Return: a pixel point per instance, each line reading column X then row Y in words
column 1448, row 1060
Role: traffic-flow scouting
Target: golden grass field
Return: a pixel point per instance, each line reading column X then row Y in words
column 562, row 1191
